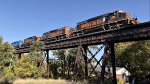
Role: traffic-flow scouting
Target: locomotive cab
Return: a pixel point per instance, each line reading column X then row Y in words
column 127, row 16
column 120, row 18
column 116, row 16
column 17, row 44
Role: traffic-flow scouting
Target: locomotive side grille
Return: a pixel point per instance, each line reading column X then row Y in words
column 127, row 16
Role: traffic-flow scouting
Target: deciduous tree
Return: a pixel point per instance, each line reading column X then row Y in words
column 134, row 56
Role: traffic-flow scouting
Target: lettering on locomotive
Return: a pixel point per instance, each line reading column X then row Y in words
column 93, row 23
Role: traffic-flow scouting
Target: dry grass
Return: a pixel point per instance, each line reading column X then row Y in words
column 40, row 81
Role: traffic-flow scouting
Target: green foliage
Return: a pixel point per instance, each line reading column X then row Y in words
column 54, row 68
column 24, row 68
column 37, row 59
column 6, row 60
column 1, row 39
column 6, row 53
column 30, row 65
column 36, row 53
column 65, row 62
column 135, row 56
column 7, row 73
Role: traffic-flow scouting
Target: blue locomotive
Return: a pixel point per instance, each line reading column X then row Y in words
column 27, row 42
column 17, row 44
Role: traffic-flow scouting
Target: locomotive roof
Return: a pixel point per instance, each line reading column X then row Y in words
column 58, row 29
column 17, row 41
column 33, row 36
column 99, row 16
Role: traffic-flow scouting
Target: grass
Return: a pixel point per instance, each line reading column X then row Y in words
column 41, row 81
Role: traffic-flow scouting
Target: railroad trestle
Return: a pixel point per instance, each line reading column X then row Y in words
column 136, row 32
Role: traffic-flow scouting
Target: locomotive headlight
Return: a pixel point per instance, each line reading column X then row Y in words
column 120, row 11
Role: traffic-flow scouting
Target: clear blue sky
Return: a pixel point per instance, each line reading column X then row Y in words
column 20, row 19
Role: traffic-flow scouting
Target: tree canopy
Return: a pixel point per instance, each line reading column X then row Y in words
column 134, row 56
column 30, row 65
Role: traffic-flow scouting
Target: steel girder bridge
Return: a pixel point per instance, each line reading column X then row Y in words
column 108, row 38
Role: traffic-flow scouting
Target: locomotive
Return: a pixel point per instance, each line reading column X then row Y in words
column 105, row 22
column 57, row 34
column 30, row 40
column 26, row 43
column 17, row 44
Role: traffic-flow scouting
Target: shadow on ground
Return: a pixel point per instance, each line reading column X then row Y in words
column 6, row 82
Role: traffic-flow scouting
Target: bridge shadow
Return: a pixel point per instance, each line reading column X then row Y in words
column 6, row 81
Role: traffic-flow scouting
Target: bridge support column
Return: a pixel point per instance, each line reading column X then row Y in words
column 19, row 56
column 63, row 64
column 47, row 61
column 109, row 58
column 112, row 54
column 86, row 60
column 104, row 61
column 81, row 57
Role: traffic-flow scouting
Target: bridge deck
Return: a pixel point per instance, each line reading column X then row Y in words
column 136, row 32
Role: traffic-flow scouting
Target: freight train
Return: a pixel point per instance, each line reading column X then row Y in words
column 103, row 22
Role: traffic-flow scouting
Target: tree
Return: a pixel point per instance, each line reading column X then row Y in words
column 6, row 60
column 30, row 65
column 1, row 39
column 134, row 56
column 66, row 59
column 24, row 68
column 61, row 57
column 36, row 55
column 54, row 65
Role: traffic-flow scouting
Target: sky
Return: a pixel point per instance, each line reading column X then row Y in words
column 20, row 19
